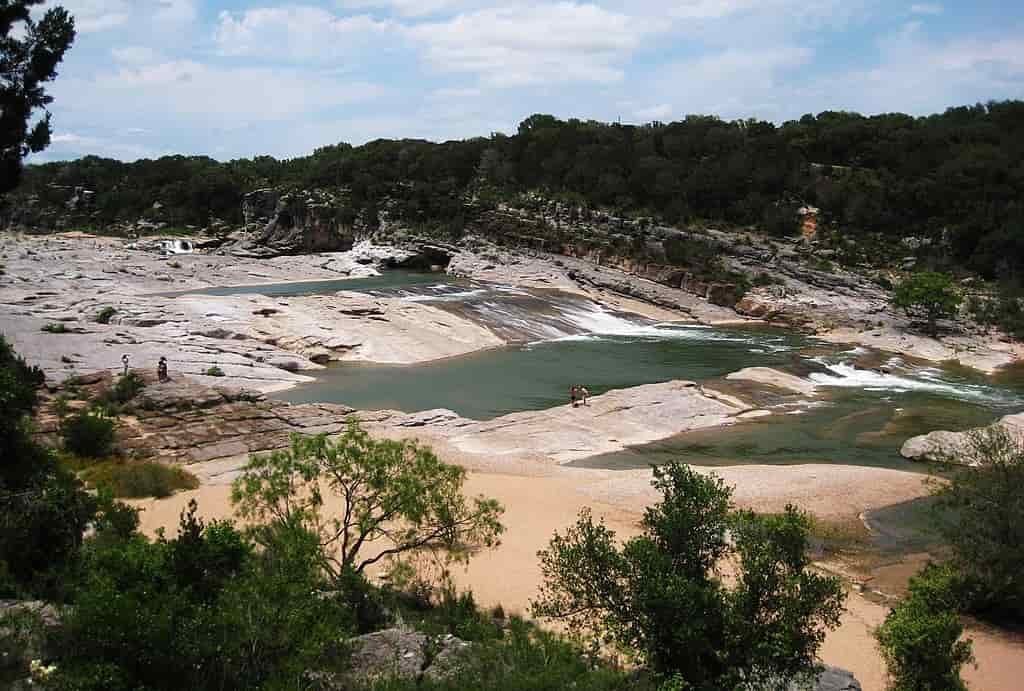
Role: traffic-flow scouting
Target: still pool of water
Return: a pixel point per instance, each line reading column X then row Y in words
column 861, row 415
column 534, row 376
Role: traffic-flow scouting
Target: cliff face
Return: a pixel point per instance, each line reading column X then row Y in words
column 291, row 223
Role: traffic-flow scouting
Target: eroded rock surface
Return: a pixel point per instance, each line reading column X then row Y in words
column 957, row 447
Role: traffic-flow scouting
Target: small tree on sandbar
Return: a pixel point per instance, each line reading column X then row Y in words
column 367, row 500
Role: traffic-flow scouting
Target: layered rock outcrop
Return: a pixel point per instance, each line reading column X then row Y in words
column 279, row 222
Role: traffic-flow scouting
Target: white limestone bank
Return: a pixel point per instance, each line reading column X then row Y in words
column 609, row 422
column 256, row 341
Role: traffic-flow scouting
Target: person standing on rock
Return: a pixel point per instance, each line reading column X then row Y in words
column 161, row 370
column 584, row 394
column 124, row 361
column 572, row 395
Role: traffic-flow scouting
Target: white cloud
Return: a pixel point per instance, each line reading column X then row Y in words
column 517, row 46
column 97, row 15
column 926, row 8
column 734, row 82
column 192, row 94
column 65, row 144
column 175, row 11
column 134, row 54
column 294, row 33
column 659, row 112
column 408, row 8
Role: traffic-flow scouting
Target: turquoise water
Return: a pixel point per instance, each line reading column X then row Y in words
column 534, row 376
column 861, row 415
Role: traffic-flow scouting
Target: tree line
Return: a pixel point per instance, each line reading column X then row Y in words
column 954, row 178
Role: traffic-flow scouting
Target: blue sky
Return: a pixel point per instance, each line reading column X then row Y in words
column 234, row 78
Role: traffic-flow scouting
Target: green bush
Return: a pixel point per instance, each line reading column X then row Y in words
column 139, row 479
column 984, row 494
column 660, row 594
column 104, row 315
column 920, row 638
column 127, row 387
column 214, row 371
column 89, row 434
column 203, row 611
column 929, row 295
column 55, row 328
column 526, row 658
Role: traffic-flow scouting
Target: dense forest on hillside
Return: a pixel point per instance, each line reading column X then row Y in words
column 957, row 176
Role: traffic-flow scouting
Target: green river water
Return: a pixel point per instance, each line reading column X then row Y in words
column 861, row 415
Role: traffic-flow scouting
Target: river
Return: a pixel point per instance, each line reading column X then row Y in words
column 868, row 402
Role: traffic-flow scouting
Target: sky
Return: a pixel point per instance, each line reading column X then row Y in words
column 236, row 78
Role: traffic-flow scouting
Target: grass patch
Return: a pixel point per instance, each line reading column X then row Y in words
column 214, row 371
column 133, row 480
column 104, row 315
column 839, row 536
column 55, row 328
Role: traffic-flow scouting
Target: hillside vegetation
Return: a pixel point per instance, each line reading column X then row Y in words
column 953, row 178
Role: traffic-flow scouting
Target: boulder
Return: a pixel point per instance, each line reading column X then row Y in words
column 832, row 679
column 395, row 652
column 955, row 447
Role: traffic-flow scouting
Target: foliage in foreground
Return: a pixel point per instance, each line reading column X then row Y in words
column 203, row 610
column 662, row 595
column 43, row 508
column 524, row 657
column 387, row 499
column 920, row 638
column 985, row 494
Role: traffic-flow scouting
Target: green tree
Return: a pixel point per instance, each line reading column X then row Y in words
column 662, row 595
column 204, row 610
column 44, row 509
column 920, row 638
column 986, row 534
column 385, row 499
column 29, row 54
column 930, row 295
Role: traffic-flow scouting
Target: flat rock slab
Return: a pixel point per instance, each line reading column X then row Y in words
column 609, row 422
column 773, row 377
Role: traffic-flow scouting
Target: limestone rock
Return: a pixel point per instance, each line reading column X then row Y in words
column 454, row 655
column 773, row 377
column 955, row 447
column 391, row 652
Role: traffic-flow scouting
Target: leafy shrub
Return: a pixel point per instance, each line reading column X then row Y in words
column 55, row 328
column 89, row 433
column 929, row 295
column 139, row 479
column 984, row 493
column 128, row 387
column 527, row 658
column 104, row 315
column 660, row 595
column 202, row 611
column 920, row 638
column 214, row 371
